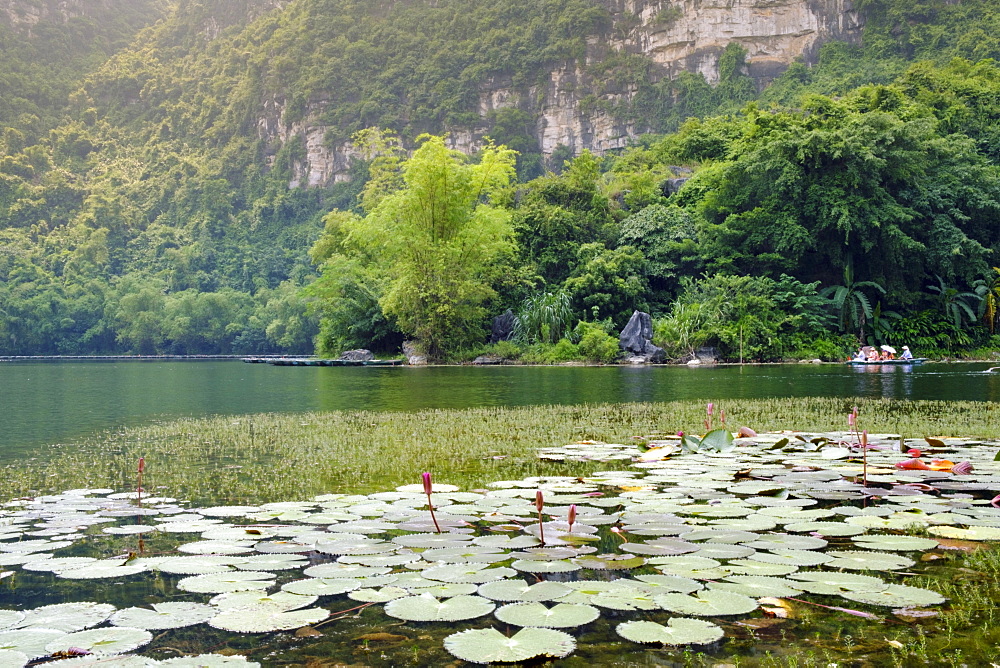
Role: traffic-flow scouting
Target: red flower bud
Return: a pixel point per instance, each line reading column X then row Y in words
column 427, row 483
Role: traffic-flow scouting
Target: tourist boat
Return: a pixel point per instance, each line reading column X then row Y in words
column 300, row 361
column 915, row 360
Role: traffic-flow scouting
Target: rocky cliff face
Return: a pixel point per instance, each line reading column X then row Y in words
column 26, row 15
column 675, row 35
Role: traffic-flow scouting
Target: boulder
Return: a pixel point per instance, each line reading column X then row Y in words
column 707, row 354
column 635, row 338
column 360, row 354
column 503, row 327
column 487, row 359
column 413, row 356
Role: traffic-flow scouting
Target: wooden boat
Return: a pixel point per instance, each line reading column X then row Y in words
column 292, row 361
column 915, row 360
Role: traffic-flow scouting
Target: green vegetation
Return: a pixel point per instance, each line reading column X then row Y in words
column 148, row 204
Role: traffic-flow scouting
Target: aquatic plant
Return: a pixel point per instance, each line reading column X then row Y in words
column 428, row 488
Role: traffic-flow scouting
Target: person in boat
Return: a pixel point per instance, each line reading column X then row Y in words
column 873, row 355
column 907, row 355
column 859, row 356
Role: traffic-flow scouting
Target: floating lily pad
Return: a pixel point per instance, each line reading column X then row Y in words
column 826, row 528
column 562, row 615
column 210, row 661
column 491, row 646
column 281, row 600
column 102, row 642
column 322, row 586
column 757, row 586
column 895, row 543
column 678, row 631
column 707, row 603
column 107, row 568
column 383, row 595
column 170, row 615
column 867, row 561
column 220, row 583
column 442, row 589
column 426, row 608
column 9, row 618
column 608, row 562
column 467, row 573
column 31, row 642
column 13, row 659
column 623, row 597
column 896, row 596
column 832, row 583
column 66, row 617
column 972, row 533
column 216, row 547
column 519, row 590
column 271, row 562
column 265, row 619
column 199, row 565
column 757, row 567
column 659, row 584
column 55, row 564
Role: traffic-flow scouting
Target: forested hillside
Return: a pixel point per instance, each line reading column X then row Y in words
column 164, row 175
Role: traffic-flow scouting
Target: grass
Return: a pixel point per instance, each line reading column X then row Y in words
column 277, row 457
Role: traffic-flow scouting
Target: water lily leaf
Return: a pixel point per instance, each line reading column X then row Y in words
column 491, row 646
column 467, row 573
column 217, row 547
column 895, row 543
column 793, row 557
column 562, row 615
column 399, row 559
column 383, row 595
column 867, row 561
column 340, row 570
column 723, row 551
column 200, row 565
column 465, row 555
column 322, row 586
column 424, row 540
column 280, row 600
column 228, row 511
column 9, row 618
column 443, row 589
column 435, row 488
column 755, row 567
column 284, row 546
column 106, row 568
column 719, row 440
column 831, row 583
column 26, row 546
column 757, row 585
column 210, row 661
column 826, row 528
column 607, row 562
column 65, row 617
column 664, row 547
column 272, row 562
column 31, row 642
column 102, row 642
column 896, row 596
column 129, row 529
column 170, row 615
column 9, row 657
column 707, row 603
column 507, row 542
column 426, row 608
column 55, row 564
column 349, row 546
column 661, row 584
column 519, row 590
column 972, row 533
column 678, row 631
column 264, row 619
column 220, row 583
column 719, row 535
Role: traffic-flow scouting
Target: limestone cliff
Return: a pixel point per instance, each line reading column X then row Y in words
column 674, row 35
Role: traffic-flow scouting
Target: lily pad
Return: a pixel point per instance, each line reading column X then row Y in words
column 322, row 586
column 757, row 586
column 491, row 646
column 867, row 561
column 832, row 583
column 519, row 590
column 102, row 642
column 220, row 583
column 199, row 565
column 170, row 615
column 383, row 595
column 896, row 596
column 467, row 573
column 562, row 615
column 426, row 608
column 29, row 641
column 65, row 617
column 707, row 603
column 210, row 661
column 282, row 600
column 265, row 619
column 678, row 631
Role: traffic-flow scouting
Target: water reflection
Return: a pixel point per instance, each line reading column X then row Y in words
column 44, row 402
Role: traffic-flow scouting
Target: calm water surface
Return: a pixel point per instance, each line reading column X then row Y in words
column 55, row 402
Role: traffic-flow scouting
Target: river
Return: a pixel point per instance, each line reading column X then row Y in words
column 58, row 402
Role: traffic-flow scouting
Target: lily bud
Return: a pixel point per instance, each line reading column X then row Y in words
column 142, row 464
column 722, row 415
column 851, row 420
column 539, row 501
column 708, row 408
column 864, row 438
column 572, row 515
column 427, row 483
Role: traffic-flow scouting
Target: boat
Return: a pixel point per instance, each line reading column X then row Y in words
column 915, row 360
column 291, row 361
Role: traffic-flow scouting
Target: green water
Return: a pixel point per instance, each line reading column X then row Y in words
column 46, row 402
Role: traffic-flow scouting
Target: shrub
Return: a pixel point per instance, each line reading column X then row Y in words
column 596, row 345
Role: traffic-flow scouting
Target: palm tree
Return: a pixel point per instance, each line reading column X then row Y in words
column 989, row 295
column 954, row 304
column 851, row 304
